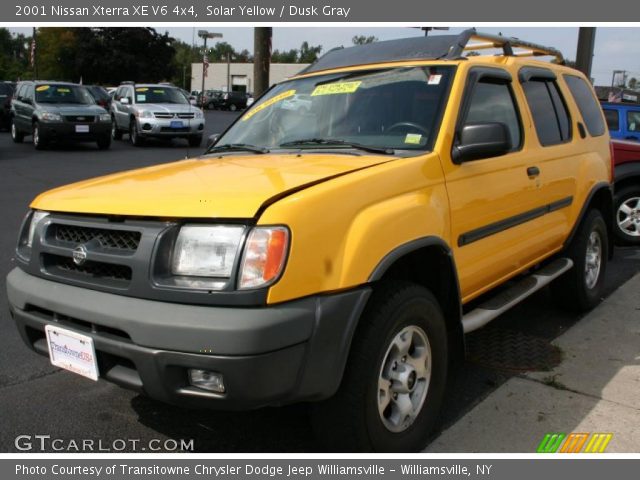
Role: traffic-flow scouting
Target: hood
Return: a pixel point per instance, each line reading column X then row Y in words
column 229, row 187
column 71, row 109
column 167, row 107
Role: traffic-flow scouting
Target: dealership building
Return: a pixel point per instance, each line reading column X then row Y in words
column 239, row 76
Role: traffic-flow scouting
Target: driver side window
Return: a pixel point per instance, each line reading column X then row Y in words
column 493, row 101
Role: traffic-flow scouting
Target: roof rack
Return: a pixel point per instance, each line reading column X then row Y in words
column 484, row 41
column 439, row 47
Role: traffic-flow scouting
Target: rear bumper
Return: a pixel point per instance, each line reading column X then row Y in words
column 268, row 356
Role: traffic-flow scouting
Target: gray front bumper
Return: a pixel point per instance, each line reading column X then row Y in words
column 270, row 355
column 160, row 127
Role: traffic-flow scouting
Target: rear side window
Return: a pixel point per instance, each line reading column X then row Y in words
column 612, row 118
column 549, row 111
column 5, row 90
column 633, row 120
column 587, row 104
column 493, row 102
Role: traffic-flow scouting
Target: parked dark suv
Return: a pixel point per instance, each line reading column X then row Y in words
column 6, row 93
column 233, row 101
column 58, row 112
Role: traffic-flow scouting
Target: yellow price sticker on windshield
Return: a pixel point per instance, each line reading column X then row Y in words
column 336, row 88
column 141, row 89
column 42, row 88
column 268, row 103
column 158, row 91
column 413, row 138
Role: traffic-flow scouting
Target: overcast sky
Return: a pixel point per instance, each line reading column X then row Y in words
column 617, row 48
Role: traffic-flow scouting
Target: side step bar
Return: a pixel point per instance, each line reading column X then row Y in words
column 496, row 306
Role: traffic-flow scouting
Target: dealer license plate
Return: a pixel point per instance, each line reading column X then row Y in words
column 72, row 351
column 176, row 124
column 82, row 128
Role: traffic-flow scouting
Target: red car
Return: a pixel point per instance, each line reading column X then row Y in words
column 626, row 158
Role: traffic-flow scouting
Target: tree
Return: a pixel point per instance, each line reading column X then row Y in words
column 363, row 40
column 633, row 83
column 14, row 56
column 308, row 54
column 290, row 56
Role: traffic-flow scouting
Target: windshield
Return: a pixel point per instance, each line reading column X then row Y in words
column 395, row 109
column 63, row 94
column 160, row 95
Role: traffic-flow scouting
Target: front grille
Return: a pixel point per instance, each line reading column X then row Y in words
column 185, row 115
column 80, row 118
column 163, row 115
column 90, row 271
column 122, row 240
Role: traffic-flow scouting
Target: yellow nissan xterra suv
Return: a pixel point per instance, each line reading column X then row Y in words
column 336, row 242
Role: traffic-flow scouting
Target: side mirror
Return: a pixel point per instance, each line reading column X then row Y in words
column 212, row 139
column 124, row 101
column 481, row 140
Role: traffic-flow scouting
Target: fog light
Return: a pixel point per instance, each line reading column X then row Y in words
column 146, row 126
column 206, row 380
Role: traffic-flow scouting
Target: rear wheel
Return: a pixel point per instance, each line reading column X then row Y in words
column 581, row 288
column 394, row 382
column 38, row 142
column 627, row 225
column 16, row 135
column 233, row 107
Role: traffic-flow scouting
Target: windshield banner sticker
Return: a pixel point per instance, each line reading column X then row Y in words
column 413, row 138
column 268, row 103
column 336, row 88
column 42, row 88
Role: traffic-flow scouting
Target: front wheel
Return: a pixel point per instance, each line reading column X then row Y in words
column 233, row 107
column 581, row 288
column 38, row 142
column 134, row 136
column 116, row 134
column 394, row 382
column 627, row 225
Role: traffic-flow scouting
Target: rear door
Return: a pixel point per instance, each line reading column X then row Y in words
column 612, row 116
column 632, row 121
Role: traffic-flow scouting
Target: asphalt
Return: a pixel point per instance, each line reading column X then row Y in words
column 37, row 399
column 594, row 389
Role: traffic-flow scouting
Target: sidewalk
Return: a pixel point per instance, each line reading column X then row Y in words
column 596, row 388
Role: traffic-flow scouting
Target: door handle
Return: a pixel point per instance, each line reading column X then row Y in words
column 533, row 172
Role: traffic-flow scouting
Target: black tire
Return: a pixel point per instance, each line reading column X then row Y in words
column 16, row 135
column 116, row 133
column 233, row 107
column 211, row 106
column 627, row 234
column 104, row 143
column 572, row 291
column 38, row 142
column 135, row 139
column 195, row 141
column 350, row 420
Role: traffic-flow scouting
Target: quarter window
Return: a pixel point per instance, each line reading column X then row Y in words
column 587, row 104
column 548, row 110
column 493, row 102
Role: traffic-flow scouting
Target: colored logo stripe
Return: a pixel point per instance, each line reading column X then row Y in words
column 598, row 442
column 550, row 443
column 574, row 442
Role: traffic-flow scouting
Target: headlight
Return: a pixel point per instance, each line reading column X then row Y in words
column 105, row 117
column 206, row 251
column 264, row 256
column 145, row 114
column 197, row 114
column 50, row 117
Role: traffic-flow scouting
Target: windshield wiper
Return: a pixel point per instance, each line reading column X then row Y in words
column 237, row 147
column 334, row 141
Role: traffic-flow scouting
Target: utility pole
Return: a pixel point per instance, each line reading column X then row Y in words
column 261, row 59
column 228, row 72
column 204, row 34
column 584, row 55
column 34, row 47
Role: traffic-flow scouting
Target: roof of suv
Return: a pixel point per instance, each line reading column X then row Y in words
column 441, row 47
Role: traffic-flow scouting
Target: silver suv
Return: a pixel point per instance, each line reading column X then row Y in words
column 151, row 110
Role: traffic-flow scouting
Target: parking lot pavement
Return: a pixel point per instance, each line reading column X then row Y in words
column 36, row 398
column 596, row 388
